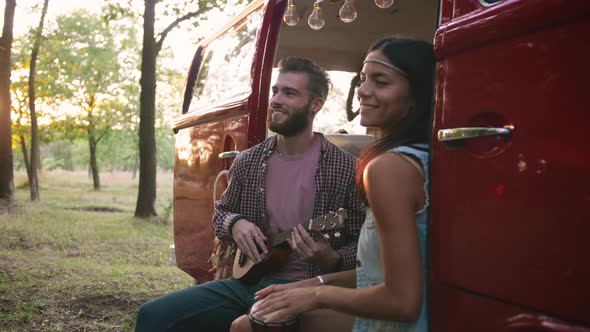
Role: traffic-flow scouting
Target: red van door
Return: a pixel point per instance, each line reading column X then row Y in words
column 511, row 167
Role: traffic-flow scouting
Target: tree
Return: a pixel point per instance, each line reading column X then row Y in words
column 82, row 64
column 21, row 127
column 6, row 163
column 20, row 108
column 34, row 161
column 152, row 45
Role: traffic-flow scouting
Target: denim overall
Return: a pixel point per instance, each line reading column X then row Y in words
column 369, row 271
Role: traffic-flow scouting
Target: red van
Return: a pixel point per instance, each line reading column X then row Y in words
column 510, row 170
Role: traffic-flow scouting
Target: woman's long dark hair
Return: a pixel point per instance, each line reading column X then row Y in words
column 415, row 58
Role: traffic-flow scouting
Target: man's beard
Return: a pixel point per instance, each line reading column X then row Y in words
column 294, row 124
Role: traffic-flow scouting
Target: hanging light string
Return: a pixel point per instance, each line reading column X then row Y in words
column 316, row 21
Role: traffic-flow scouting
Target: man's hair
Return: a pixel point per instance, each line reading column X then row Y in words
column 319, row 82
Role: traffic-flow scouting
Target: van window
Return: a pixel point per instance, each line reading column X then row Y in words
column 227, row 62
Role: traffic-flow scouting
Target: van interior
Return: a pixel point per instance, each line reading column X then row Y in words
column 342, row 46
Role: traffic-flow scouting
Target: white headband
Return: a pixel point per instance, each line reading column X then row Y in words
column 386, row 64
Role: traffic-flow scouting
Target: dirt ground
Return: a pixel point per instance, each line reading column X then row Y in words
column 77, row 310
column 46, row 301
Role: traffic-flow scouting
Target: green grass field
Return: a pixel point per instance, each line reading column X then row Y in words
column 78, row 260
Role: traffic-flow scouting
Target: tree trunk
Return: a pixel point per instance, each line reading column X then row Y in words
column 93, row 163
column 6, row 162
column 146, row 196
column 135, row 166
column 92, row 142
column 38, row 154
column 35, row 155
column 23, row 145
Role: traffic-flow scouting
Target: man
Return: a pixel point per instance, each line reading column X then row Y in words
column 277, row 184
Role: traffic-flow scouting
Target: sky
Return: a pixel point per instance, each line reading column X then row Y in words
column 26, row 17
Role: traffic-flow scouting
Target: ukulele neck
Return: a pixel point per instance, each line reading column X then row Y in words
column 281, row 237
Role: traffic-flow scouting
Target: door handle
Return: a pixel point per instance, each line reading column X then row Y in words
column 454, row 134
column 228, row 154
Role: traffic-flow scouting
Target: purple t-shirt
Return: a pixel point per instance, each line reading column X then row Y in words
column 290, row 196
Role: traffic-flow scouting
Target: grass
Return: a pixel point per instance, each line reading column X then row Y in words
column 67, row 264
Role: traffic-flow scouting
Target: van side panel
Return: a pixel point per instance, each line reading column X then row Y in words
column 207, row 131
column 511, row 215
column 196, row 167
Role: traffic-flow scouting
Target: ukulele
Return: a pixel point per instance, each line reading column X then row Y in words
column 247, row 271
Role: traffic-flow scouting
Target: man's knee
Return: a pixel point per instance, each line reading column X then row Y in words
column 147, row 315
column 241, row 324
column 146, row 311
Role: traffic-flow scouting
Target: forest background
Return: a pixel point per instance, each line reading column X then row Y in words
column 87, row 81
column 88, row 92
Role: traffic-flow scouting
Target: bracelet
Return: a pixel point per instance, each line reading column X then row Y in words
column 321, row 279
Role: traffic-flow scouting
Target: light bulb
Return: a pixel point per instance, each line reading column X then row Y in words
column 316, row 19
column 347, row 12
column 291, row 18
column 384, row 3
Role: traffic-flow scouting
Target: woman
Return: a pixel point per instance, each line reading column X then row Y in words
column 396, row 95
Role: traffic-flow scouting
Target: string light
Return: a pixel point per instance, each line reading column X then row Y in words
column 384, row 3
column 316, row 19
column 291, row 18
column 347, row 12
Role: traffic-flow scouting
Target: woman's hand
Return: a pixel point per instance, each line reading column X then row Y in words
column 285, row 304
column 263, row 293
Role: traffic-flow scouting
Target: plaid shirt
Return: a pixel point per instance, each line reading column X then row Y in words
column 245, row 197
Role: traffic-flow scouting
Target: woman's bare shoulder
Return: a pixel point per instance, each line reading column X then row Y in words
column 390, row 164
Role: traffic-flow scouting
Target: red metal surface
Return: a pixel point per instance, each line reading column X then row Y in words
column 509, row 228
column 273, row 16
column 539, row 323
column 492, row 315
column 505, row 20
column 196, row 167
column 206, row 132
column 213, row 113
column 445, row 11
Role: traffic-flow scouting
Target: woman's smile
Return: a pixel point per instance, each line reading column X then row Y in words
column 384, row 93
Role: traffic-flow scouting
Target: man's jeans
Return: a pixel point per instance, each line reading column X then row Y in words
column 208, row 307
